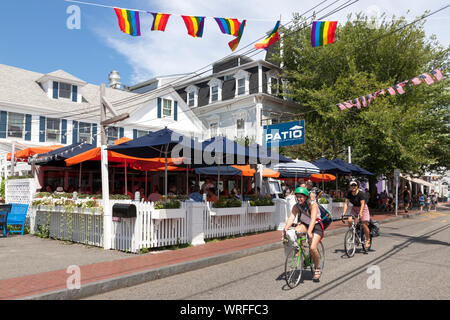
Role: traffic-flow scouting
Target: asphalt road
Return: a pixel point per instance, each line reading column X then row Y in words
column 410, row 260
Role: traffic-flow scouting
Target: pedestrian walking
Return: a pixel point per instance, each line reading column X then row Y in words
column 406, row 198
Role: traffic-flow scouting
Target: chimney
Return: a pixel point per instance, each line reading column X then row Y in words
column 114, row 79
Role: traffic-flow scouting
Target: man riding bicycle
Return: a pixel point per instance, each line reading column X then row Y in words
column 307, row 212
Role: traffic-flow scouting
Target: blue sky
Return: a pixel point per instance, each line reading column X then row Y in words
column 34, row 35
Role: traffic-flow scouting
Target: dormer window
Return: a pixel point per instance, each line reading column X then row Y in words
column 65, row 91
column 192, row 96
column 167, row 108
column 242, row 82
column 215, row 87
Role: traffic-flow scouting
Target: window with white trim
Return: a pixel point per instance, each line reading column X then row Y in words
column 53, row 132
column 214, row 93
column 167, row 108
column 240, row 128
column 141, row 133
column 240, row 86
column 191, row 98
column 65, row 90
column 112, row 134
column 85, row 132
column 16, row 124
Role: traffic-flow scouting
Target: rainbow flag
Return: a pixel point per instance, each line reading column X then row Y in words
column 323, row 33
column 228, row 26
column 194, row 25
column 233, row 44
column 129, row 21
column 159, row 21
column 271, row 38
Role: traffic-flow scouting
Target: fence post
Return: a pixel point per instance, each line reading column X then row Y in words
column 195, row 212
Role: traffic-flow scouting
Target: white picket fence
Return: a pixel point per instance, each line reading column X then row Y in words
column 82, row 225
column 148, row 229
column 151, row 228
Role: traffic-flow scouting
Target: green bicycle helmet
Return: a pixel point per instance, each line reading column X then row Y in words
column 302, row 190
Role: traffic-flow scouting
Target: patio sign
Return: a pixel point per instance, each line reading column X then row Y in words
column 284, row 134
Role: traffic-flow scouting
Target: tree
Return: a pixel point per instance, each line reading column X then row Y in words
column 409, row 131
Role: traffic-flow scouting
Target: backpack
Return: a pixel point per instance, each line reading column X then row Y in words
column 374, row 228
column 325, row 216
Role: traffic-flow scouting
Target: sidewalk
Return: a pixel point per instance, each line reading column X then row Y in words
column 105, row 270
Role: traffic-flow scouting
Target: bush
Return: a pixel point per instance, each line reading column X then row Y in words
column 266, row 201
column 227, row 203
column 171, row 204
column 338, row 200
column 323, row 201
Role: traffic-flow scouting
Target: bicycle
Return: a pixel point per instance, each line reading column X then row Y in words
column 354, row 237
column 299, row 258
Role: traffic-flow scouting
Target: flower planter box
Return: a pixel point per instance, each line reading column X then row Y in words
column 168, row 213
column 261, row 209
column 227, row 211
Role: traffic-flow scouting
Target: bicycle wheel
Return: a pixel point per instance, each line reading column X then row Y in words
column 349, row 243
column 293, row 268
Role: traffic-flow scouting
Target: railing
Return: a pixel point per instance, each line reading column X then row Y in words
column 191, row 223
column 82, row 225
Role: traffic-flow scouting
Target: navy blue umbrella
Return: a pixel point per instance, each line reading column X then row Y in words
column 330, row 166
column 224, row 170
column 57, row 157
column 355, row 170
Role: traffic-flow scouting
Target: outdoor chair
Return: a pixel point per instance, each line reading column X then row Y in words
column 17, row 216
column 4, row 211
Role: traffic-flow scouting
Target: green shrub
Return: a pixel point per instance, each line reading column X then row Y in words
column 323, row 201
column 171, row 204
column 265, row 201
column 338, row 200
column 227, row 203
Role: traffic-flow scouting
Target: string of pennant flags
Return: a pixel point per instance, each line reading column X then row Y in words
column 365, row 100
column 129, row 22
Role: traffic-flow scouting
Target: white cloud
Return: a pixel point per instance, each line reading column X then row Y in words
column 174, row 51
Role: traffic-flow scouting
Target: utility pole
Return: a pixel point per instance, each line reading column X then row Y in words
column 13, row 157
column 104, row 122
column 349, row 154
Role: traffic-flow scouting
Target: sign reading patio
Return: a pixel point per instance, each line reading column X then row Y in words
column 284, row 134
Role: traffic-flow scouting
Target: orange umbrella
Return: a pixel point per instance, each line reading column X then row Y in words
column 28, row 152
column 246, row 171
column 318, row 177
column 270, row 173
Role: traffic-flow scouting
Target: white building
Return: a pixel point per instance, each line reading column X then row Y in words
column 235, row 100
column 58, row 108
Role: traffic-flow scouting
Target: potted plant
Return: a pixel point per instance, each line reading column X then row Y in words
column 227, row 206
column 170, row 209
column 259, row 205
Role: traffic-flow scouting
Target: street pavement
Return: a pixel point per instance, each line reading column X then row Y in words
column 35, row 268
column 411, row 257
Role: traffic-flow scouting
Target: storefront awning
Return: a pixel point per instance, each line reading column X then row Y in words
column 417, row 180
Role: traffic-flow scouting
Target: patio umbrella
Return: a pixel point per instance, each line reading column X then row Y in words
column 296, row 168
column 30, row 151
column 57, row 156
column 355, row 170
column 317, row 177
column 330, row 166
column 157, row 144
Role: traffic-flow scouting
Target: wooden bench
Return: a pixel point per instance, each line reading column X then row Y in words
column 17, row 216
column 4, row 211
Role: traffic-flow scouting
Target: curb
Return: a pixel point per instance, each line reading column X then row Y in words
column 133, row 279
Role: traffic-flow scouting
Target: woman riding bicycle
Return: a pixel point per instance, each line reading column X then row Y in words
column 360, row 209
column 307, row 212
